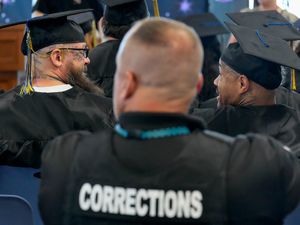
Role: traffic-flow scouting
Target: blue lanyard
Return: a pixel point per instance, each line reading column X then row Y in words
column 152, row 134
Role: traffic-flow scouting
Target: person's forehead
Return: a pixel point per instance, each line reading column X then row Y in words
column 78, row 45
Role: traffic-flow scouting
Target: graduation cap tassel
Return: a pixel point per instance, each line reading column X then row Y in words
column 293, row 76
column 156, row 9
column 293, row 80
column 27, row 86
column 94, row 34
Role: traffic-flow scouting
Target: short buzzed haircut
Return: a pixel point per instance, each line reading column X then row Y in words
column 169, row 54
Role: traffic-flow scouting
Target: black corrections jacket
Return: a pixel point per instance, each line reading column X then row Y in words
column 201, row 178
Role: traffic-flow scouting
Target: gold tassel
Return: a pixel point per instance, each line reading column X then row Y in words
column 94, row 34
column 293, row 80
column 293, row 74
column 156, row 9
column 27, row 88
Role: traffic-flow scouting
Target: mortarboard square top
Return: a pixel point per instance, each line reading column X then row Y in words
column 124, row 12
column 55, row 28
column 85, row 20
column 205, row 24
column 270, row 22
column 112, row 3
column 82, row 17
column 265, row 46
column 258, row 56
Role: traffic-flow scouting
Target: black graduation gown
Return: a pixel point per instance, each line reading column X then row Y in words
column 283, row 95
column 102, row 67
column 278, row 121
column 202, row 178
column 287, row 97
column 28, row 122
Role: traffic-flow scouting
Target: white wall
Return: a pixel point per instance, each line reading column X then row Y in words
column 292, row 6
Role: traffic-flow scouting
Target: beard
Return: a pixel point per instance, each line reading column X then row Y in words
column 79, row 78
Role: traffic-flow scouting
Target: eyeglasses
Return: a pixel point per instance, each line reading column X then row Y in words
column 85, row 51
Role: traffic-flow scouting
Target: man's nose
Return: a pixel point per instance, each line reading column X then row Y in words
column 87, row 60
column 216, row 81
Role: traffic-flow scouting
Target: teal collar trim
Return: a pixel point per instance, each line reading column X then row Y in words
column 152, row 134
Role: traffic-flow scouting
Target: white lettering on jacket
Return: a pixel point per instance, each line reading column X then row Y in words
column 141, row 202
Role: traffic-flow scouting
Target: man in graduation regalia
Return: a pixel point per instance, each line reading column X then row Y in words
column 119, row 15
column 249, row 74
column 56, row 96
column 159, row 165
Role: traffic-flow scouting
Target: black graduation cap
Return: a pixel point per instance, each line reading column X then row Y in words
column 50, row 29
column 85, row 20
column 44, row 31
column 270, row 22
column 259, row 55
column 205, row 24
column 124, row 12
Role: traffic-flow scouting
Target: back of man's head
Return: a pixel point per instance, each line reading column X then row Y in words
column 119, row 16
column 158, row 67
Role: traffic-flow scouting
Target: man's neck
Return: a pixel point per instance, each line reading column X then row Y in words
column 270, row 6
column 156, row 107
column 46, row 79
column 108, row 38
column 46, row 83
column 257, row 100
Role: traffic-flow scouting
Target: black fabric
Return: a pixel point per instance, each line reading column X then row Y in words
column 204, row 161
column 102, row 65
column 262, row 72
column 290, row 98
column 205, row 24
column 29, row 122
column 210, row 70
column 278, row 121
column 265, row 46
column 271, row 22
column 283, row 95
column 59, row 31
column 55, row 28
column 85, row 20
column 124, row 12
column 53, row 6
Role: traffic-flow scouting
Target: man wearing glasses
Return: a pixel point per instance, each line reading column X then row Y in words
column 56, row 96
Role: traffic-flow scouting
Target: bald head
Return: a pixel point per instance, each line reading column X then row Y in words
column 163, row 58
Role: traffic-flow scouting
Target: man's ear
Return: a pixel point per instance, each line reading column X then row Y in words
column 200, row 83
column 244, row 84
column 130, row 85
column 101, row 22
column 101, row 26
column 56, row 57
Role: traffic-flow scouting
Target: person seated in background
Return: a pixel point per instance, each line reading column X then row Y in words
column 119, row 15
column 88, row 25
column 159, row 165
column 266, row 5
column 257, row 20
column 246, row 88
column 56, row 96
